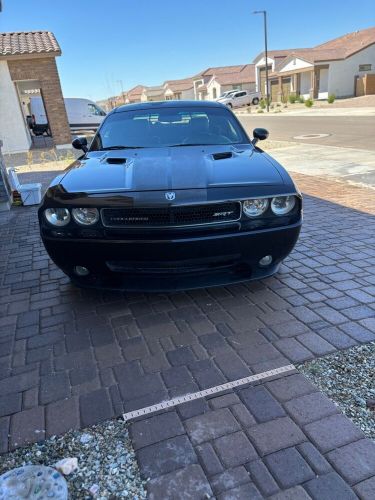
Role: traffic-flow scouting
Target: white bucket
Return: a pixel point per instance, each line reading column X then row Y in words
column 31, row 194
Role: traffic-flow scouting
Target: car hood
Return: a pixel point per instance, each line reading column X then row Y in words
column 164, row 169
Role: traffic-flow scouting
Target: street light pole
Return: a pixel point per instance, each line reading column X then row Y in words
column 266, row 54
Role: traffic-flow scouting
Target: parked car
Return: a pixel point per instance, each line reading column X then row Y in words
column 83, row 114
column 225, row 94
column 170, row 195
column 241, row 98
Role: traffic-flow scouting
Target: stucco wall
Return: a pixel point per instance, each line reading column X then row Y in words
column 305, row 84
column 342, row 73
column 13, row 131
column 295, row 64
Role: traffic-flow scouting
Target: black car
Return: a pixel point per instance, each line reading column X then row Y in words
column 170, row 195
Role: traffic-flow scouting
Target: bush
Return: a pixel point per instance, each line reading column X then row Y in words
column 331, row 98
column 301, row 99
column 262, row 103
column 260, row 111
column 292, row 98
column 309, row 102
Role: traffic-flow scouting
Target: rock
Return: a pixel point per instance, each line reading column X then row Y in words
column 85, row 438
column 94, row 490
column 67, row 465
column 370, row 403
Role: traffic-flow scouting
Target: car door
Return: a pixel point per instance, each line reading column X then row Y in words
column 240, row 98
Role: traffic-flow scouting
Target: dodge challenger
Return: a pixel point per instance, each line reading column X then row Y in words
column 170, row 195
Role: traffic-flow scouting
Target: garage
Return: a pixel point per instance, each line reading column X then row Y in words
column 28, row 68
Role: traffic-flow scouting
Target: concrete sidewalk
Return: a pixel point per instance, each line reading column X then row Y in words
column 356, row 166
column 291, row 111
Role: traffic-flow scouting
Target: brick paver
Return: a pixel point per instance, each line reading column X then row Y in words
column 70, row 358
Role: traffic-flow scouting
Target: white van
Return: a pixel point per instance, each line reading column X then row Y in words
column 83, row 114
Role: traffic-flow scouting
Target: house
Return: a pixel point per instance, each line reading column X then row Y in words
column 212, row 82
column 155, row 93
column 179, row 89
column 136, row 94
column 344, row 66
column 28, row 68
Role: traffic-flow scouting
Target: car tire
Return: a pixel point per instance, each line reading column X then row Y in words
column 255, row 101
column 229, row 105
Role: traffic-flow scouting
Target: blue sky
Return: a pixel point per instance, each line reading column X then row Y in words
column 146, row 41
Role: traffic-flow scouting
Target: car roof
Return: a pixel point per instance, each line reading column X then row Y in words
column 168, row 104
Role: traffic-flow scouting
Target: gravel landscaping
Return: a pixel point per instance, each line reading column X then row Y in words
column 348, row 378
column 105, row 456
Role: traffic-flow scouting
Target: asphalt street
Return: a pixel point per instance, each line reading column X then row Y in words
column 344, row 131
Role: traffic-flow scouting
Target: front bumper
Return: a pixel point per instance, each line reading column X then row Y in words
column 173, row 263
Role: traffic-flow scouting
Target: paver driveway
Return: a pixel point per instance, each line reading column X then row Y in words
column 71, row 358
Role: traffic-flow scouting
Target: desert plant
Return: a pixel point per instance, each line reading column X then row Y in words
column 292, row 98
column 301, row 99
column 260, row 111
column 262, row 103
column 331, row 98
column 309, row 102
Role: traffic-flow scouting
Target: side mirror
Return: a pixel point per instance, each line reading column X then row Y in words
column 80, row 143
column 259, row 134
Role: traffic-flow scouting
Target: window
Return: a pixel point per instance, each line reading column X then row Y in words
column 94, row 110
column 169, row 126
column 365, row 67
column 240, row 94
column 214, row 93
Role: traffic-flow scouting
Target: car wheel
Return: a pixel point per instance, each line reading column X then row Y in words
column 255, row 101
column 229, row 105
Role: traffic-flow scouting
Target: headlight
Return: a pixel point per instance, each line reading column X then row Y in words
column 57, row 216
column 256, row 207
column 85, row 216
column 282, row 205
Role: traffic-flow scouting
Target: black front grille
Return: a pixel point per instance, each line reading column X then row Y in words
column 173, row 216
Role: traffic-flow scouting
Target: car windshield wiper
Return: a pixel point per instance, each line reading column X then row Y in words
column 120, row 147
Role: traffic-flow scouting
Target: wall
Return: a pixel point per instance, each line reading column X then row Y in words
column 305, row 84
column 45, row 70
column 295, row 64
column 323, row 83
column 342, row 73
column 13, row 131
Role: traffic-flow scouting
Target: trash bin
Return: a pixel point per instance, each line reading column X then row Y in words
column 31, row 194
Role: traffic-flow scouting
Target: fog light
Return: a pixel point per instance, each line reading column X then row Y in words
column 81, row 271
column 265, row 261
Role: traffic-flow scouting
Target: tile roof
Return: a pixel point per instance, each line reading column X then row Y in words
column 179, row 85
column 32, row 42
column 338, row 48
column 351, row 42
column 223, row 69
column 136, row 92
column 246, row 75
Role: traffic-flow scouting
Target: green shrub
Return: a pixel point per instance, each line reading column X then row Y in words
column 262, row 103
column 309, row 102
column 301, row 99
column 331, row 98
column 260, row 111
column 292, row 98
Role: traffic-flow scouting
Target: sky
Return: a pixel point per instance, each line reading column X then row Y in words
column 108, row 45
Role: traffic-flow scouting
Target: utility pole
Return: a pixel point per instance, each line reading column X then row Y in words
column 266, row 54
column 122, row 89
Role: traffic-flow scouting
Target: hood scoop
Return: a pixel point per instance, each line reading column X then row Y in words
column 223, row 155
column 115, row 161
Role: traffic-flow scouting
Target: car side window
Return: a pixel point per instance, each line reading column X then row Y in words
column 93, row 110
column 240, row 94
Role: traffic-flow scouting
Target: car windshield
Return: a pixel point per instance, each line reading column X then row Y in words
column 168, row 127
